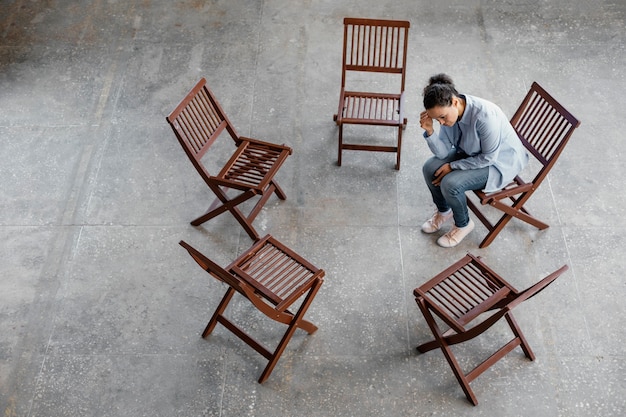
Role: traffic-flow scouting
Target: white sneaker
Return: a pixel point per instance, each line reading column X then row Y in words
column 436, row 221
column 455, row 236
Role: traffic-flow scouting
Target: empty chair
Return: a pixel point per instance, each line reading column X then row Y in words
column 272, row 277
column 198, row 122
column 378, row 48
column 544, row 127
column 458, row 297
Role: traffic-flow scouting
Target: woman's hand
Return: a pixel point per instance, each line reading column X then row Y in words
column 444, row 170
column 426, row 123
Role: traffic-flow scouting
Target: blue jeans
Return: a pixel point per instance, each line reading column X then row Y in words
column 450, row 194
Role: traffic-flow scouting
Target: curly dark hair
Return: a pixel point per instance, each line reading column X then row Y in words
column 439, row 91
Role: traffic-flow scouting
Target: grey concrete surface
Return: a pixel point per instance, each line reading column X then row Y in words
column 100, row 309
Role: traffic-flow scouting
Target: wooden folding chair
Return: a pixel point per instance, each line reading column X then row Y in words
column 544, row 127
column 272, row 277
column 198, row 121
column 458, row 296
column 374, row 47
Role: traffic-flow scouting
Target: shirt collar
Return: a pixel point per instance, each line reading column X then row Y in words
column 465, row 119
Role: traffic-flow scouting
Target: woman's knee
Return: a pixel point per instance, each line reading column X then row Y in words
column 452, row 186
column 430, row 166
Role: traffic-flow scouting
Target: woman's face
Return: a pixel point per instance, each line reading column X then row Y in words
column 446, row 116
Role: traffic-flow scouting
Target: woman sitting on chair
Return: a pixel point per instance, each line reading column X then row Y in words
column 476, row 148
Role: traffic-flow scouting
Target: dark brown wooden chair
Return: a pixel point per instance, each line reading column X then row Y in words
column 198, row 121
column 272, row 277
column 544, row 127
column 458, row 296
column 374, row 47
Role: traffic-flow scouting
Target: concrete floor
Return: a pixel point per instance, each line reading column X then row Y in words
column 101, row 310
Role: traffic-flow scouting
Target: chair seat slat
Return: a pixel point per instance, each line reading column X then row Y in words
column 276, row 271
column 372, row 108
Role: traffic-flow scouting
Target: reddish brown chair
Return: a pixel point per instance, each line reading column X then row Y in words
column 272, row 277
column 544, row 127
column 372, row 46
column 458, row 296
column 198, row 121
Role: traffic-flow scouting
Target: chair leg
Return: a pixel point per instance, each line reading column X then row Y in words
column 495, row 231
column 259, row 205
column 273, row 188
column 479, row 214
column 226, row 205
column 518, row 333
column 279, row 191
column 447, row 352
column 398, row 151
column 340, row 144
column 458, row 373
column 273, row 360
column 230, row 205
column 307, row 326
column 218, row 312
column 516, row 210
column 295, row 323
column 239, row 216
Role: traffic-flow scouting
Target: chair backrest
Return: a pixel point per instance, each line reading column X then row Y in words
column 544, row 126
column 213, row 268
column 197, row 123
column 375, row 45
column 538, row 287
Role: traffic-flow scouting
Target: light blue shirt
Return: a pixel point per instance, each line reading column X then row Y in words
column 485, row 134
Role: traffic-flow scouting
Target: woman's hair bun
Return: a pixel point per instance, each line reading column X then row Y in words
column 440, row 79
column 439, row 91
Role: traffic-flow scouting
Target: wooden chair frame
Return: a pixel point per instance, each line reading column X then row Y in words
column 272, row 277
column 198, row 121
column 544, row 127
column 373, row 46
column 458, row 296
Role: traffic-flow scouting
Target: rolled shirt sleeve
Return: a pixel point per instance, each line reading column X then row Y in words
column 440, row 143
